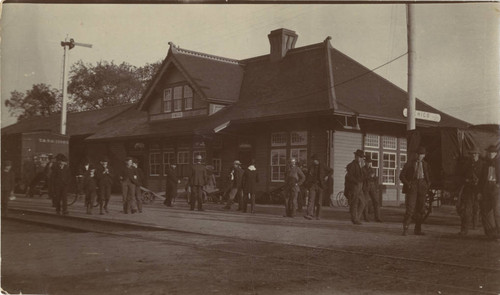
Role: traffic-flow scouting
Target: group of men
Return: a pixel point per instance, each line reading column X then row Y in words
column 480, row 192
column 481, row 181
column 241, row 185
column 360, row 187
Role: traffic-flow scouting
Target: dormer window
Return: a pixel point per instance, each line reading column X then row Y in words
column 177, row 99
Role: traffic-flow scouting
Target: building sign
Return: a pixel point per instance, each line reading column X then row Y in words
column 49, row 140
column 424, row 115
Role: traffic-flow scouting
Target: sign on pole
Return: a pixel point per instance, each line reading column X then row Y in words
column 424, row 115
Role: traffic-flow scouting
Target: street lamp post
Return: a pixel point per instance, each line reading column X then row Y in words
column 67, row 45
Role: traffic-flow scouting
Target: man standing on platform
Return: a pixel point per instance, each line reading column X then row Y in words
column 8, row 183
column 294, row 177
column 250, row 180
column 104, row 176
column 48, row 176
column 472, row 172
column 315, row 182
column 236, row 186
column 416, row 182
column 370, row 189
column 129, row 181
column 490, row 184
column 353, row 186
column 141, row 182
column 172, row 181
column 197, row 180
column 61, row 182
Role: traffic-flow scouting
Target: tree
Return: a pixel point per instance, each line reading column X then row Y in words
column 40, row 100
column 107, row 84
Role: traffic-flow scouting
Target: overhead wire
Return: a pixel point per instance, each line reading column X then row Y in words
column 329, row 88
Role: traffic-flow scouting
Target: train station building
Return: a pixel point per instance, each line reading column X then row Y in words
column 293, row 102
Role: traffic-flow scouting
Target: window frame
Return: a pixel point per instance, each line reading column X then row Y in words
column 165, row 163
column 389, row 140
column 174, row 105
column 366, row 143
column 167, row 102
column 279, row 166
column 155, row 166
column 186, row 152
column 279, row 144
column 388, row 168
column 217, row 163
column 301, row 133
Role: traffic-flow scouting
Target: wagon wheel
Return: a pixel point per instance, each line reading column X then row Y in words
column 147, row 197
column 341, row 199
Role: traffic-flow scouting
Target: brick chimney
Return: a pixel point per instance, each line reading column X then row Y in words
column 281, row 41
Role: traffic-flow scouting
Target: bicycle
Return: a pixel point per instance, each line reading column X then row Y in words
column 78, row 194
column 339, row 200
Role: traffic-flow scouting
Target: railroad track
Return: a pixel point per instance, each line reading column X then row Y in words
column 110, row 229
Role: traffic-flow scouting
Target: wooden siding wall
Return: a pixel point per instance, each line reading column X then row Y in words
column 344, row 145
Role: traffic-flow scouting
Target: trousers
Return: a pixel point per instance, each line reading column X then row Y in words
column 128, row 193
column 415, row 203
column 291, row 194
column 315, row 200
column 356, row 201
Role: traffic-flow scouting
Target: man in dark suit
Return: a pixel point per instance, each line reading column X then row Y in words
column 353, row 186
column 250, row 179
column 172, row 181
column 61, row 181
column 236, row 186
column 141, row 182
column 416, row 182
column 315, row 182
column 370, row 189
column 489, row 184
column 48, row 176
column 197, row 180
column 294, row 178
column 129, row 181
column 104, row 175
column 8, row 183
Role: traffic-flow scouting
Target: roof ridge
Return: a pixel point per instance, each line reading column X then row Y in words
column 291, row 51
column 177, row 49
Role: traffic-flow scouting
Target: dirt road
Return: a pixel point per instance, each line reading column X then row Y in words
column 41, row 260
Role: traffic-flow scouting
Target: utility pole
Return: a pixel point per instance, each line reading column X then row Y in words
column 67, row 45
column 410, row 23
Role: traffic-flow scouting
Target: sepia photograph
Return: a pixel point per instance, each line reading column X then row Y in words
column 250, row 147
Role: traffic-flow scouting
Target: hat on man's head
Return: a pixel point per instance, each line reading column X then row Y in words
column 104, row 159
column 198, row 157
column 129, row 159
column 135, row 160
column 492, row 149
column 61, row 157
column 421, row 150
column 314, row 157
column 359, row 153
column 50, row 156
column 237, row 162
column 368, row 157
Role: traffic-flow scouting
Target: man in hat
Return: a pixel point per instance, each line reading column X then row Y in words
column 141, row 182
column 353, row 186
column 489, row 185
column 197, row 180
column 48, row 176
column 315, row 183
column 61, row 183
column 90, row 189
column 236, row 186
column 416, row 182
column 250, row 180
column 471, row 173
column 370, row 189
column 104, row 175
column 294, row 177
column 129, row 181
column 172, row 181
column 8, row 183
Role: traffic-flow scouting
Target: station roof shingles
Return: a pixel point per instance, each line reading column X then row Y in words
column 77, row 123
column 263, row 90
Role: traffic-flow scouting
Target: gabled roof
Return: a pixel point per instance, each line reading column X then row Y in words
column 215, row 78
column 308, row 81
column 77, row 123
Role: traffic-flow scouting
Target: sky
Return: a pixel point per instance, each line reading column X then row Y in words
column 457, row 67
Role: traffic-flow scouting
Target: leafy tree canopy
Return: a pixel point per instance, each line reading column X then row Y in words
column 90, row 87
column 40, row 100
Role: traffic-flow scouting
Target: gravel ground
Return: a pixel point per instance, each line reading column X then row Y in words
column 41, row 260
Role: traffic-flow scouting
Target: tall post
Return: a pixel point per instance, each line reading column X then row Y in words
column 410, row 23
column 64, row 86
